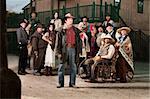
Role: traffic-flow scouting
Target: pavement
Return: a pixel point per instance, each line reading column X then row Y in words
column 44, row 87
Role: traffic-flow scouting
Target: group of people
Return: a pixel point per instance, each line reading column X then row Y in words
column 62, row 44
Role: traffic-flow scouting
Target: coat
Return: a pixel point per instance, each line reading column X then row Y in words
column 37, row 41
column 22, row 36
column 62, row 48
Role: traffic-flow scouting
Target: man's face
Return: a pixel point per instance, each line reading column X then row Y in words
column 23, row 25
column 109, row 28
column 39, row 30
column 69, row 21
column 123, row 32
column 106, row 40
column 33, row 15
column 100, row 29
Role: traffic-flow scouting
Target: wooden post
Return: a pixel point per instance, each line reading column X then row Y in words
column 106, row 9
column 77, row 13
column 101, row 10
column 10, row 84
column 93, row 11
column 64, row 11
column 31, row 6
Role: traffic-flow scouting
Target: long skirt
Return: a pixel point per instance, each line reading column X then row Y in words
column 49, row 57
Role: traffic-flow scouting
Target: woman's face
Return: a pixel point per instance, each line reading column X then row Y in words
column 51, row 28
column 100, row 29
column 56, row 15
column 84, row 20
column 107, row 17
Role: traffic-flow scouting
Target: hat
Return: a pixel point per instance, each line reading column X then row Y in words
column 124, row 28
column 68, row 15
column 39, row 26
column 107, row 15
column 109, row 24
column 23, row 21
column 85, row 17
column 108, row 37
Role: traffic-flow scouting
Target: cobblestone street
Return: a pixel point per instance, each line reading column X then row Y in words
column 43, row 87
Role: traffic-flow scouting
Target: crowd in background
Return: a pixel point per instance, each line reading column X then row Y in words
column 61, row 41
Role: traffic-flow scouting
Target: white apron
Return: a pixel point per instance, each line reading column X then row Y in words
column 49, row 57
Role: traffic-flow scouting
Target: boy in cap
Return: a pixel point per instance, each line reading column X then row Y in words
column 39, row 48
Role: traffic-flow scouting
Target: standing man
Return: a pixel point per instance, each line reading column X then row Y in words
column 68, row 49
column 33, row 21
column 39, row 49
column 22, row 39
column 110, row 30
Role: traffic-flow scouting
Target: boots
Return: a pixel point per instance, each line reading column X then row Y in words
column 48, row 71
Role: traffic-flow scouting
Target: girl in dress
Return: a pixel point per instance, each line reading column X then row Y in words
column 50, row 37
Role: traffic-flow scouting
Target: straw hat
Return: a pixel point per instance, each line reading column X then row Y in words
column 108, row 37
column 124, row 28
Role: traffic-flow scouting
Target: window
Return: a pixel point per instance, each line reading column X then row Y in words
column 117, row 2
column 140, row 6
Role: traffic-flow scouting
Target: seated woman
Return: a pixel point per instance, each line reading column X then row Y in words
column 124, row 65
column 104, row 54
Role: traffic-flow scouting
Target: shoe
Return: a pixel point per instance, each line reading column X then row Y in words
column 26, row 72
column 60, row 86
column 21, row 73
column 73, row 86
column 37, row 74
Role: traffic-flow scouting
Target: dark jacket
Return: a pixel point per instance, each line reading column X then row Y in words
column 37, row 41
column 61, row 47
column 22, row 36
column 52, row 35
column 112, row 33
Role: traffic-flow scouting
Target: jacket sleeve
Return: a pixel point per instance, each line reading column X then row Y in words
column 34, row 43
column 18, row 36
column 21, row 40
column 59, row 43
column 79, row 46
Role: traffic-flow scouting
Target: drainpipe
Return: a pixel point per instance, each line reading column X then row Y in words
column 10, row 84
column 30, row 6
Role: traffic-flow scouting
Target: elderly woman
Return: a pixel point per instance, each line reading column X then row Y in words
column 124, row 65
column 104, row 54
